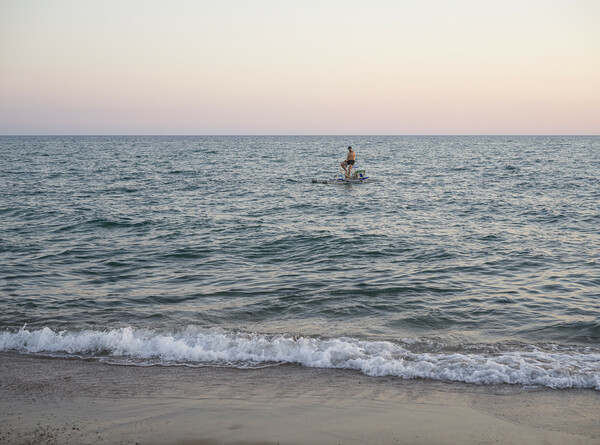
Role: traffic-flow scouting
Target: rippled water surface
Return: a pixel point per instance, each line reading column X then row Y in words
column 457, row 243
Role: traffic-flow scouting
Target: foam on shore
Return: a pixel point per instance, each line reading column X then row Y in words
column 553, row 367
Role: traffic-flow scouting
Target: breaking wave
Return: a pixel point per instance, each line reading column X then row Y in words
column 551, row 366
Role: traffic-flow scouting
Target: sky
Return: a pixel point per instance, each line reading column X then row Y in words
column 299, row 67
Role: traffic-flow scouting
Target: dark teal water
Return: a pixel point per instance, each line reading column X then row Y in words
column 460, row 245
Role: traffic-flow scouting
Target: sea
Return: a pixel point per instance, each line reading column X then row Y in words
column 468, row 259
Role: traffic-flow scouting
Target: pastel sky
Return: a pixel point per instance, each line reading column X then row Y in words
column 299, row 67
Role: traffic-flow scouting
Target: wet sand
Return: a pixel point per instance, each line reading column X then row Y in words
column 73, row 401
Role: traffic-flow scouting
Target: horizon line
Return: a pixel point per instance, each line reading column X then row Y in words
column 298, row 135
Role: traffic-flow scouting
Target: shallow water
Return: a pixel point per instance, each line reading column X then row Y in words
column 460, row 250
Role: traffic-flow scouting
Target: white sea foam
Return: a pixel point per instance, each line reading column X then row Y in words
column 195, row 346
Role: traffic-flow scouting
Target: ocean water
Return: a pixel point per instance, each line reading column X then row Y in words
column 471, row 259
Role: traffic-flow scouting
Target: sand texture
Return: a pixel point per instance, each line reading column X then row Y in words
column 73, row 401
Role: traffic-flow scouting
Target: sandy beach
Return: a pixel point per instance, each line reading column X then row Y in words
column 299, row 223
column 49, row 400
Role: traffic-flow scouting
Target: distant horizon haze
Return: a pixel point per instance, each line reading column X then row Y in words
column 331, row 67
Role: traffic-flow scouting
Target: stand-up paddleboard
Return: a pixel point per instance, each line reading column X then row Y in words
column 358, row 176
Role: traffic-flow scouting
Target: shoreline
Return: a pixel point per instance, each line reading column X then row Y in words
column 58, row 400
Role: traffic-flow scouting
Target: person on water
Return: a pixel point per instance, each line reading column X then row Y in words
column 349, row 162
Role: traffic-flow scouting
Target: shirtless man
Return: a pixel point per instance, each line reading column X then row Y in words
column 349, row 162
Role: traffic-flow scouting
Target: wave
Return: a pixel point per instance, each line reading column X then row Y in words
column 552, row 366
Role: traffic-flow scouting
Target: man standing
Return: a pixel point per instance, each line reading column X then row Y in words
column 349, row 162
